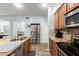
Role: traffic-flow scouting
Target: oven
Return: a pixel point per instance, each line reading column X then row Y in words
column 76, row 41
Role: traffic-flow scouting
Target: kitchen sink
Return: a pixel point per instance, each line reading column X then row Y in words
column 22, row 38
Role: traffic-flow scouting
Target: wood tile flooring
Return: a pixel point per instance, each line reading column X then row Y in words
column 41, row 49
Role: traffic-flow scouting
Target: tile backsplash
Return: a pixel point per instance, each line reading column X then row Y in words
column 74, row 30
column 52, row 32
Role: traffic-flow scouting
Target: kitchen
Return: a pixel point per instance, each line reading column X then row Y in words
column 18, row 28
column 36, row 29
column 66, row 28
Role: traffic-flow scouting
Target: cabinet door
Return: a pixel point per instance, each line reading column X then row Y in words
column 62, row 11
column 71, row 6
column 19, row 51
column 56, row 20
column 54, row 48
column 50, row 45
column 26, row 48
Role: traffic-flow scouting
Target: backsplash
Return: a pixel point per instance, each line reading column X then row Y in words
column 52, row 32
column 74, row 30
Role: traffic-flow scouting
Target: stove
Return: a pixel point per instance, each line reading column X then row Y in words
column 76, row 40
column 73, row 50
column 68, row 49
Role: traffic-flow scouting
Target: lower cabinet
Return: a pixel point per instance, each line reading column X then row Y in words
column 54, row 49
column 26, row 48
column 22, row 50
column 19, row 51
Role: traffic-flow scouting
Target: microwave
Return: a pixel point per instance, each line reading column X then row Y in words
column 72, row 18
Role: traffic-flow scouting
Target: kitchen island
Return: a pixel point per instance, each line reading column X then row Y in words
column 8, row 48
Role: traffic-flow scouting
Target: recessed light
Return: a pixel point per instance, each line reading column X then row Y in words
column 45, row 5
column 18, row 5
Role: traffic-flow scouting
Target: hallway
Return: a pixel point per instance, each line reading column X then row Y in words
column 39, row 50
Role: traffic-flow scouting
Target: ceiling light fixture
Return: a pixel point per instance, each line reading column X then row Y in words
column 45, row 5
column 18, row 5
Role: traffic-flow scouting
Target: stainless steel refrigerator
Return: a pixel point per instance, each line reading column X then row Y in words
column 35, row 33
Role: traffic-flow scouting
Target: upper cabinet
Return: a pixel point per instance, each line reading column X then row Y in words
column 56, row 20
column 62, row 11
column 59, row 14
column 71, row 6
column 59, row 17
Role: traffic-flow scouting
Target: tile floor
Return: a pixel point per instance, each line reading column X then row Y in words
column 40, row 49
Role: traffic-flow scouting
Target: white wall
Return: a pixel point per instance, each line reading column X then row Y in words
column 44, row 31
column 16, row 20
column 43, row 27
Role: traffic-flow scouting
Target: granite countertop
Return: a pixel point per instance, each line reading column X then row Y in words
column 59, row 39
column 7, row 46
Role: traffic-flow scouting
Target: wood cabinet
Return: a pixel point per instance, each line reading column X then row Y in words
column 52, row 48
column 59, row 14
column 62, row 11
column 71, row 6
column 59, row 17
column 19, row 51
column 26, row 47
column 56, row 20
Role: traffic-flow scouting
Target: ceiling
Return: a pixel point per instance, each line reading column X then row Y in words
column 29, row 9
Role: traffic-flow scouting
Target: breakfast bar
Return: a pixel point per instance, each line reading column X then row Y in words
column 8, row 48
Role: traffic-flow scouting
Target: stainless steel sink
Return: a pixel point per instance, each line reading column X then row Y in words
column 22, row 38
